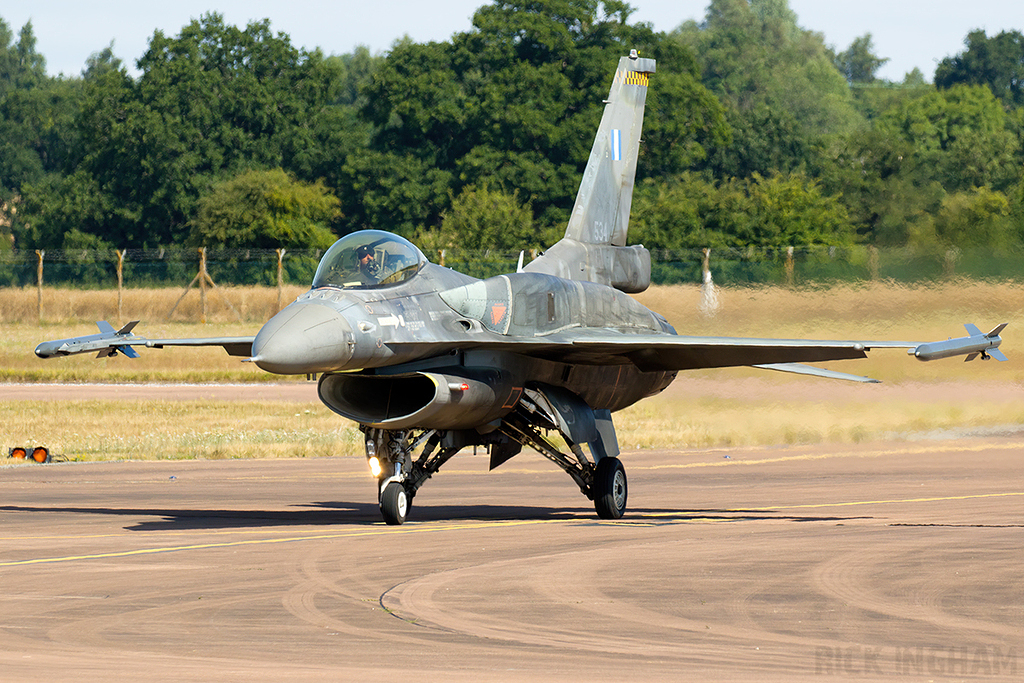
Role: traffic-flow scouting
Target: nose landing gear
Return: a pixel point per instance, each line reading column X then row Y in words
column 394, row 503
column 398, row 475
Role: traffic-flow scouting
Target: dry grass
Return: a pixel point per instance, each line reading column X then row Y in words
column 159, row 430
column 681, row 421
column 681, row 418
column 62, row 306
column 69, row 313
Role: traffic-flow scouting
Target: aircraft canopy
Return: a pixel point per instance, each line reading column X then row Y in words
column 368, row 259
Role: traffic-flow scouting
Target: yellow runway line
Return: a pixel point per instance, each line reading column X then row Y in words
column 267, row 541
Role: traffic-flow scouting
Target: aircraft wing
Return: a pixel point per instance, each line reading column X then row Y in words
column 658, row 352
column 664, row 352
column 110, row 342
column 690, row 353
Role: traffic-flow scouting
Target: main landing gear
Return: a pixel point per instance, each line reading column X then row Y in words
column 609, row 488
column 602, row 479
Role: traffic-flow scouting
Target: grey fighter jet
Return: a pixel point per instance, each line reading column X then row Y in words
column 429, row 361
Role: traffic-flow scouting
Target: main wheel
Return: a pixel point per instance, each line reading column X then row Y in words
column 610, row 488
column 394, row 503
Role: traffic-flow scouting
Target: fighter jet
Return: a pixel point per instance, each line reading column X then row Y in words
column 429, row 361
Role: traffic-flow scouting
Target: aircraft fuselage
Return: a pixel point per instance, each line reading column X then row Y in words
column 380, row 337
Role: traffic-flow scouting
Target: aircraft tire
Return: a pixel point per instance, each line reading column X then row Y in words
column 394, row 503
column 610, row 488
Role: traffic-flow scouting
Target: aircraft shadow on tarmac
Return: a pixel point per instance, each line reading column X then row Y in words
column 368, row 514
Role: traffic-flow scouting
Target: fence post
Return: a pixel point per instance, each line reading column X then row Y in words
column 203, row 275
column 280, row 277
column 39, row 286
column 873, row 261
column 120, row 283
column 789, row 266
column 952, row 256
column 709, row 303
column 203, row 278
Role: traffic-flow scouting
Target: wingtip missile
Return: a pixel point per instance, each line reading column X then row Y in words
column 975, row 344
column 108, row 342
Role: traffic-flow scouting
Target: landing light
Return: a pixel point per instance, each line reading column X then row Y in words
column 375, row 467
column 18, row 453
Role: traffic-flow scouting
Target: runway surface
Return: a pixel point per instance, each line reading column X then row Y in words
column 882, row 561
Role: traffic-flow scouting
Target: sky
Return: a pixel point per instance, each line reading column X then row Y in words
column 911, row 33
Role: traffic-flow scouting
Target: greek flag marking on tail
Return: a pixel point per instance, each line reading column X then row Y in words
column 616, row 144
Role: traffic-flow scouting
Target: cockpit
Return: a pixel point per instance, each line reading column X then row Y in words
column 368, row 259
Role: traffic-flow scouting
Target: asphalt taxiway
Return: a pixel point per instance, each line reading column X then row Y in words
column 880, row 561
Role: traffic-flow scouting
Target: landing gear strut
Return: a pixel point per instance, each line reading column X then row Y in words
column 601, row 477
column 603, row 481
column 390, row 454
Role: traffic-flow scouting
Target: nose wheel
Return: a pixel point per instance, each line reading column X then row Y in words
column 394, row 503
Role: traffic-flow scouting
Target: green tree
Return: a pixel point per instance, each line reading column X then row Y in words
column 211, row 102
column 791, row 210
column 997, row 62
column 21, row 66
column 859, row 63
column 964, row 133
column 266, row 209
column 689, row 212
column 779, row 85
column 101, row 62
column 976, row 218
column 22, row 72
column 515, row 102
column 36, row 124
column 1015, row 196
column 780, row 211
column 482, row 218
column 888, row 188
column 60, row 205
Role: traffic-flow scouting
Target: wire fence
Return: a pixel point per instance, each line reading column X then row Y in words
column 176, row 267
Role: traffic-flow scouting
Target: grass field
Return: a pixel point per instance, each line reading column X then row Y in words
column 703, row 409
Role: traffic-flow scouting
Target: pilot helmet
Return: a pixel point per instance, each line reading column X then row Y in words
column 364, row 251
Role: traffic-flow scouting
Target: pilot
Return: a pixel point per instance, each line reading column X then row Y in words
column 368, row 266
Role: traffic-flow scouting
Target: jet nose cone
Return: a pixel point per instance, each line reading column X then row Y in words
column 301, row 339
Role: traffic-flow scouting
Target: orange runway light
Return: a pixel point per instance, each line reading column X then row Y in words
column 18, row 453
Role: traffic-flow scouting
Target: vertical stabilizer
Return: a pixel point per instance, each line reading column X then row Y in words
column 601, row 213
column 594, row 247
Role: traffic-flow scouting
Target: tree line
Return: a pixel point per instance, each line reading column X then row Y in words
column 757, row 133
